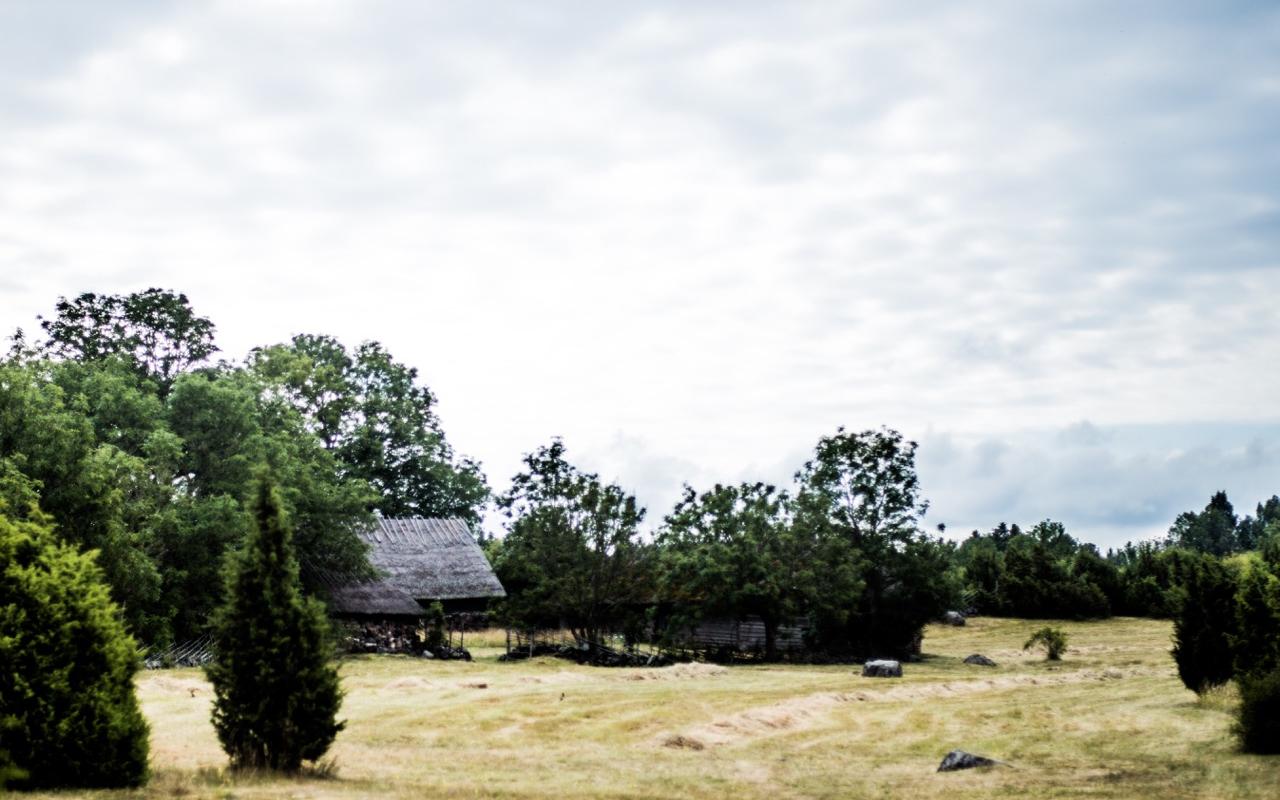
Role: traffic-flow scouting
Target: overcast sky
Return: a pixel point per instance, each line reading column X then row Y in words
column 1043, row 239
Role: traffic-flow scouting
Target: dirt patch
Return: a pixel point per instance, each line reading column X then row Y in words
column 683, row 743
column 411, row 682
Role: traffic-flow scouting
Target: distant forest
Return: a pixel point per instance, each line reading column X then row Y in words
column 120, row 423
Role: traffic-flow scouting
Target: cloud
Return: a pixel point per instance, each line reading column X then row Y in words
column 1108, row 484
column 721, row 231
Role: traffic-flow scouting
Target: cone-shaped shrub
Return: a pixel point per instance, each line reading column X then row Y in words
column 1205, row 624
column 276, row 696
column 1258, row 718
column 68, row 713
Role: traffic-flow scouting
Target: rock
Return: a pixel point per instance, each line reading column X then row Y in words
column 882, row 668
column 979, row 660
column 959, row 759
column 953, row 618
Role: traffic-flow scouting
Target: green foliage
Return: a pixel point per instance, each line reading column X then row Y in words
column 1252, row 531
column 276, row 697
column 371, row 413
column 572, row 555
column 1052, row 640
column 1211, row 531
column 858, row 505
column 1041, row 574
column 68, row 714
column 1205, row 623
column 1256, row 642
column 156, row 331
column 1258, row 717
column 731, row 552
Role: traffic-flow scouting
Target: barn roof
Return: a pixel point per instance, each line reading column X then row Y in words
column 417, row 560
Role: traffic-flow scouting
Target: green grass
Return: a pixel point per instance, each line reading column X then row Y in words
column 1110, row 720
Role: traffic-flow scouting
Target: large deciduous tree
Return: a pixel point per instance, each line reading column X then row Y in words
column 729, row 552
column 371, row 412
column 572, row 555
column 155, row 330
column 862, row 490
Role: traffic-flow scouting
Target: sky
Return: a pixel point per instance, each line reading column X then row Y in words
column 1040, row 239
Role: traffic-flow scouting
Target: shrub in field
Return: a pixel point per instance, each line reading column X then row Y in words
column 1053, row 640
column 276, row 695
column 68, row 713
column 1256, row 644
column 1258, row 718
column 1205, row 624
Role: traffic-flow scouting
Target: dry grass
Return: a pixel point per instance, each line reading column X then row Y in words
column 1110, row 720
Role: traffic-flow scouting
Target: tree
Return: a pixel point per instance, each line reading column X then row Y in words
column 68, row 713
column 98, row 496
column 861, row 489
column 1251, row 531
column 276, row 697
column 1256, row 643
column 1205, row 623
column 1212, row 531
column 1052, row 640
column 371, row 412
column 572, row 555
column 155, row 330
column 729, row 552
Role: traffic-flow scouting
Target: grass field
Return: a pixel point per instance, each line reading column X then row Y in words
column 1110, row 720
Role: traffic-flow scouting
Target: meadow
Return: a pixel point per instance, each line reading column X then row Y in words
column 1110, row 720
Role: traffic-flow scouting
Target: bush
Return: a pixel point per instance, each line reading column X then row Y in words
column 275, row 695
column 1258, row 719
column 68, row 713
column 1053, row 640
column 1205, row 624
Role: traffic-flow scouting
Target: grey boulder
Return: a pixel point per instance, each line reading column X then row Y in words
column 979, row 660
column 959, row 759
column 953, row 618
column 882, row 668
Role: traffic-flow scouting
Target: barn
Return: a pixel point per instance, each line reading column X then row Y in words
column 418, row 561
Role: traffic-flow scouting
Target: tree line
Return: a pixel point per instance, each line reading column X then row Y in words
column 843, row 550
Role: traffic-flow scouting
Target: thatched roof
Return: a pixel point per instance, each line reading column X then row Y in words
column 419, row 560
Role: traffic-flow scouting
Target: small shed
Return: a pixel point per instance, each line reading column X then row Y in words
column 418, row 561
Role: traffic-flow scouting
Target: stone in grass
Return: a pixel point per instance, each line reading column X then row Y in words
column 953, row 618
column 959, row 759
column 882, row 668
column 979, row 660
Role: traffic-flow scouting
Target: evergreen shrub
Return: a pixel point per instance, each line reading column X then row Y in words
column 68, row 713
column 1258, row 718
column 276, row 696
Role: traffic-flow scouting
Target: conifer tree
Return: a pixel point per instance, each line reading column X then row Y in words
column 68, row 713
column 1205, row 624
column 276, row 695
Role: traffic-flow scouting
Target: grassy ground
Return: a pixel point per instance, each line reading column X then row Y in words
column 1110, row 720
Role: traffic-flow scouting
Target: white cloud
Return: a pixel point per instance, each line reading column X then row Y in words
column 717, row 232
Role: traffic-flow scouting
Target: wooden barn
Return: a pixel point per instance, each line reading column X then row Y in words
column 418, row 561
